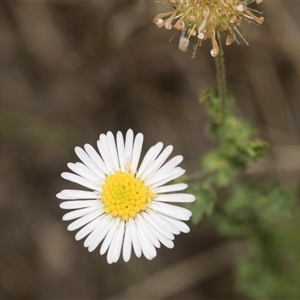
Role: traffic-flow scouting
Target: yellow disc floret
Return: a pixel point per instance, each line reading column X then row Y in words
column 125, row 196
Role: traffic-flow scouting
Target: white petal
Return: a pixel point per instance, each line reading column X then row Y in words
column 104, row 151
column 128, row 145
column 113, row 150
column 121, row 150
column 96, row 159
column 76, row 194
column 98, row 234
column 110, row 235
column 114, row 250
column 148, row 249
column 168, row 167
column 164, row 178
column 85, row 158
column 180, row 197
column 74, row 204
column 79, row 213
column 170, row 188
column 127, row 244
column 148, row 230
column 157, row 163
column 83, row 232
column 84, row 220
column 148, row 159
column 159, row 224
column 179, row 224
column 171, row 210
column 82, row 170
column 93, row 239
column 134, row 237
column 165, row 241
column 80, row 180
column 136, row 152
column 160, row 219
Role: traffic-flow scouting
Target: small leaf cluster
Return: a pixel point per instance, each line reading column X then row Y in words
column 239, row 145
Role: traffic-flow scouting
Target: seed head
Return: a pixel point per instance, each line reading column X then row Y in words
column 203, row 19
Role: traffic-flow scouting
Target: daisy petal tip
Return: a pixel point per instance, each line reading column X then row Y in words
column 126, row 258
column 140, row 136
column 185, row 186
column 77, row 238
column 64, row 218
column 152, row 257
column 59, row 195
column 189, row 198
column 87, row 147
column 70, row 227
column 77, row 148
column 70, row 165
column 180, row 158
column 64, row 174
column 115, row 260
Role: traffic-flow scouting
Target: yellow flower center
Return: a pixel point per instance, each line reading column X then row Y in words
column 125, row 196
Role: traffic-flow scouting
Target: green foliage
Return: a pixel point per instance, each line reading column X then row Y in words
column 249, row 209
column 238, row 147
column 237, row 137
column 268, row 272
column 263, row 216
column 272, row 266
column 204, row 203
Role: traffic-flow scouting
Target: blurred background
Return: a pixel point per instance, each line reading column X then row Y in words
column 70, row 70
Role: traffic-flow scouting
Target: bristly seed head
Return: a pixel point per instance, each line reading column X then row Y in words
column 205, row 18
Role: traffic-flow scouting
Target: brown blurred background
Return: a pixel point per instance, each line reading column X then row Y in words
column 70, row 70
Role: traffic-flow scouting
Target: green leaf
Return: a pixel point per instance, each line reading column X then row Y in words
column 204, row 203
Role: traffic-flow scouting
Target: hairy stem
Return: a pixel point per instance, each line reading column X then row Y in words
column 221, row 83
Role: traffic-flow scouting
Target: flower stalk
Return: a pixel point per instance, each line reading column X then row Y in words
column 221, row 83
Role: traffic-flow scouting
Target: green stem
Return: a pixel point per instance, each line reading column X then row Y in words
column 221, row 82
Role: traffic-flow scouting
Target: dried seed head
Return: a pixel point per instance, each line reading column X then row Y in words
column 205, row 18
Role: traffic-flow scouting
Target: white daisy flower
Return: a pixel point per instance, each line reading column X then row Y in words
column 128, row 207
